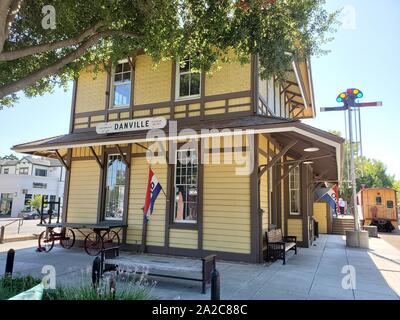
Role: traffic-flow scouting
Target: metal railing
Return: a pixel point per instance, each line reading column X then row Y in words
column 3, row 227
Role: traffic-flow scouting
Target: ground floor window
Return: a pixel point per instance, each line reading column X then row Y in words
column 186, row 186
column 6, row 201
column 114, row 188
column 294, row 190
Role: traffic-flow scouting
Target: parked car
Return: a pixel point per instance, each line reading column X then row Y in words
column 34, row 214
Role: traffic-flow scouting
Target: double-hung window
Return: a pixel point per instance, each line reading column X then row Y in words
column 121, row 85
column 114, row 188
column 187, row 80
column 186, row 186
column 294, row 191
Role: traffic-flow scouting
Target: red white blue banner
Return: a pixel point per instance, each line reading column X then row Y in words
column 153, row 189
column 332, row 198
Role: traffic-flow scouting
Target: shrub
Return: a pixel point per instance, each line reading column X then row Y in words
column 11, row 286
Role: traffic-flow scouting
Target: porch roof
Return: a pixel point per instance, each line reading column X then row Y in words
column 281, row 130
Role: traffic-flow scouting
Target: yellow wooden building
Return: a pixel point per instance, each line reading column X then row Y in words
column 221, row 207
column 379, row 204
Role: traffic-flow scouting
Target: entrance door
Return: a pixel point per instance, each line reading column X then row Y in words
column 321, row 216
column 6, row 201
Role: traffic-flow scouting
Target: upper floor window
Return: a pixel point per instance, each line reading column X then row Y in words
column 378, row 201
column 389, row 204
column 24, row 171
column 186, row 186
column 121, row 85
column 187, row 80
column 294, row 190
column 40, row 172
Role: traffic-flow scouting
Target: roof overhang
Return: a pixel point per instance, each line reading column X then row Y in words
column 282, row 129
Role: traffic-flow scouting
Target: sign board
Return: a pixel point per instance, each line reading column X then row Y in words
column 131, row 125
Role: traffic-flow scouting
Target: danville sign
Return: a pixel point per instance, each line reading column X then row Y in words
column 131, row 125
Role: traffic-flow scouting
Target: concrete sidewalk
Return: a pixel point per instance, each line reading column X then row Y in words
column 315, row 273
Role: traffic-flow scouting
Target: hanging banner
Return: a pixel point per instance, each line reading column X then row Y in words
column 131, row 125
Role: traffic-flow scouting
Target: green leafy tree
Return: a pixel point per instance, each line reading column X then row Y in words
column 40, row 50
column 36, row 202
column 369, row 172
column 396, row 186
column 9, row 157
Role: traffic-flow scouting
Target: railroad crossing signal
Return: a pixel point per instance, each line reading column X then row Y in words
column 348, row 98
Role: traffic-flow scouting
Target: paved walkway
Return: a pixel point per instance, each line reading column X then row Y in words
column 315, row 273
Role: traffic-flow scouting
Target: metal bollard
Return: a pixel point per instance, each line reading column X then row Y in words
column 2, row 234
column 215, row 285
column 96, row 271
column 10, row 262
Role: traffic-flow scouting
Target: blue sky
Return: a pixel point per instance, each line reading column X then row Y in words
column 365, row 57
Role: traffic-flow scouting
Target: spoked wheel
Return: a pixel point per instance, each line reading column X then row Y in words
column 67, row 238
column 93, row 244
column 111, row 239
column 46, row 241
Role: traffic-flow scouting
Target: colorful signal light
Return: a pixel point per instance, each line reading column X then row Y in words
column 356, row 91
column 349, row 91
column 339, row 99
column 360, row 95
column 343, row 95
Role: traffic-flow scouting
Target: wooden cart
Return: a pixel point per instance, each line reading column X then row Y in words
column 101, row 236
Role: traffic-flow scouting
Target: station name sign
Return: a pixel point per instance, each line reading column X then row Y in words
column 131, row 125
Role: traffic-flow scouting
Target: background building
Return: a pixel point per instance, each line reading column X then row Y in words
column 21, row 179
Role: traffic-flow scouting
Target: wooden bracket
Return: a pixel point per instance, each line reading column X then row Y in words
column 101, row 165
column 127, row 163
column 61, row 159
column 283, row 177
column 275, row 159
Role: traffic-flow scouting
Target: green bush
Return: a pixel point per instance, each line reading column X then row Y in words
column 11, row 286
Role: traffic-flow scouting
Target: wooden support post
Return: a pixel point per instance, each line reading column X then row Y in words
column 144, row 236
column 10, row 262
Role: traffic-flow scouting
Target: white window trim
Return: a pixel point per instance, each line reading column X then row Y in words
column 111, row 89
column 178, row 85
column 175, row 202
column 290, row 198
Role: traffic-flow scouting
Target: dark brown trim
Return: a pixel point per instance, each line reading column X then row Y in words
column 127, row 192
column 303, row 204
column 200, row 187
column 254, row 82
column 133, row 76
column 66, row 186
column 168, row 204
column 255, row 213
column 101, row 165
column 61, row 159
column 102, row 178
column 73, row 106
column 108, row 90
column 126, row 158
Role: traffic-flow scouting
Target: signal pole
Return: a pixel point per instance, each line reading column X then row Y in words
column 357, row 237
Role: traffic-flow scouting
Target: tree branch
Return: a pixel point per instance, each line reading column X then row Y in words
column 18, row 85
column 24, row 52
column 4, row 11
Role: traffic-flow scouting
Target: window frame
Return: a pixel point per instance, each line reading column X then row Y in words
column 185, row 224
column 291, row 213
column 391, row 202
column 111, row 105
column 22, row 171
column 380, row 201
column 6, row 171
column 40, row 169
column 107, row 154
column 178, row 74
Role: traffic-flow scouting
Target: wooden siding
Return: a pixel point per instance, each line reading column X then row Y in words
column 371, row 209
column 83, row 192
column 156, row 225
column 91, row 92
column 228, row 77
column 152, row 83
column 295, row 228
column 226, row 209
column 181, row 238
column 321, row 210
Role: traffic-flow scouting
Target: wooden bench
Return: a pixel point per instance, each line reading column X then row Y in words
column 277, row 245
column 159, row 266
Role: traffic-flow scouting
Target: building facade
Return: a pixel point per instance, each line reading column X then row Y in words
column 21, row 180
column 228, row 149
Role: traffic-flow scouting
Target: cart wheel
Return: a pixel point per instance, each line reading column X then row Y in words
column 110, row 239
column 46, row 241
column 93, row 244
column 68, row 239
